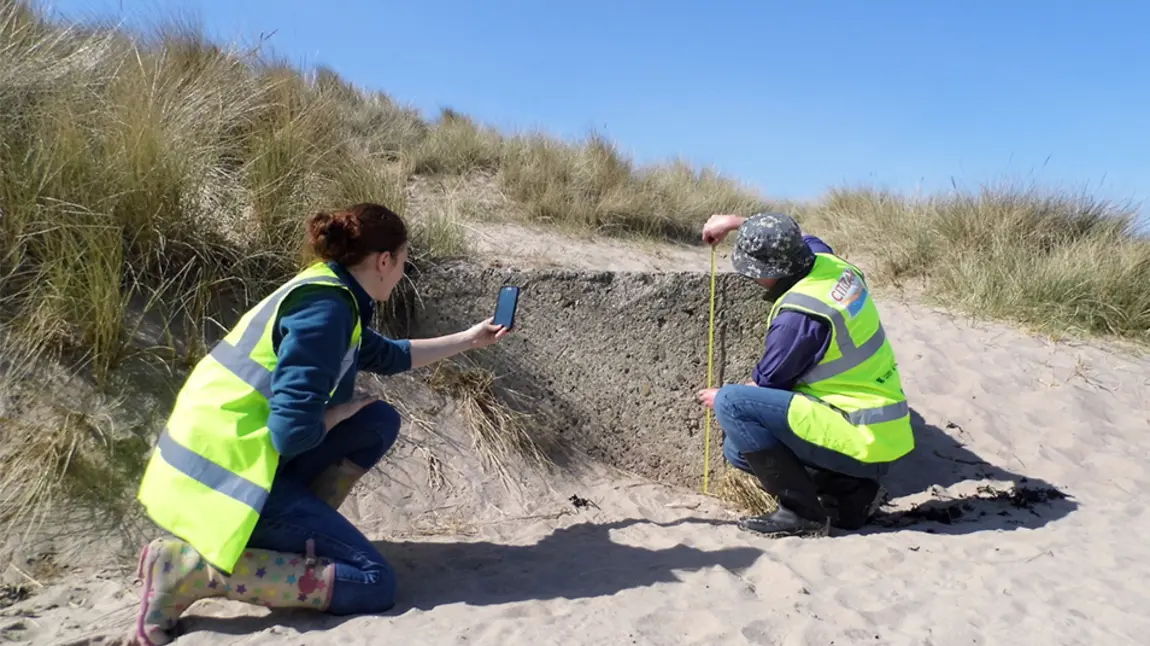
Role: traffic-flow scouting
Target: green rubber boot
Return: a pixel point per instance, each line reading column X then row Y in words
column 335, row 483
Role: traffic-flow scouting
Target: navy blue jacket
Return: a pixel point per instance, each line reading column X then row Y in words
column 311, row 337
column 795, row 341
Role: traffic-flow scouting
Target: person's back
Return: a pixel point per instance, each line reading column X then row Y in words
column 825, row 395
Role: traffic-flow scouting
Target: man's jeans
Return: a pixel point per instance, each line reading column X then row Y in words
column 364, row 581
column 755, row 419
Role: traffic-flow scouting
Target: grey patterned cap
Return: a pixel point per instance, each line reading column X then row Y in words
column 770, row 245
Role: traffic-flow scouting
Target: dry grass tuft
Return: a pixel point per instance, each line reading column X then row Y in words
column 742, row 490
column 456, row 145
column 498, row 431
column 63, row 462
column 1053, row 261
column 592, row 186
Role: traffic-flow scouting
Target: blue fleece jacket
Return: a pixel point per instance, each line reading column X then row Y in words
column 795, row 342
column 311, row 337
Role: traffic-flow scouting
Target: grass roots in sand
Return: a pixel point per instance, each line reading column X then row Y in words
column 742, row 490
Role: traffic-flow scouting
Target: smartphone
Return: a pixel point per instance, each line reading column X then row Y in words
column 505, row 306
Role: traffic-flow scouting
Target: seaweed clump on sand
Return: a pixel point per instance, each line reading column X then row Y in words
column 1020, row 495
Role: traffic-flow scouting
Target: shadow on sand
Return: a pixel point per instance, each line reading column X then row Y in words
column 581, row 561
column 941, row 459
column 576, row 562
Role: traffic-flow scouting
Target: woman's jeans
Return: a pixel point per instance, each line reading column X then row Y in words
column 364, row 581
column 755, row 419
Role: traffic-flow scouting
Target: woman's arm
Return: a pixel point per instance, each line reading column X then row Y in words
column 314, row 331
column 480, row 335
column 382, row 355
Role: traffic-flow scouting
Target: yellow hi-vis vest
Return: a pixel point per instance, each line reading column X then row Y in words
column 214, row 462
column 852, row 401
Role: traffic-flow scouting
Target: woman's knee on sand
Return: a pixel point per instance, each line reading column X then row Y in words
column 366, row 587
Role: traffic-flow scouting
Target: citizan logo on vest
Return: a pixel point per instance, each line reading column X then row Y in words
column 850, row 291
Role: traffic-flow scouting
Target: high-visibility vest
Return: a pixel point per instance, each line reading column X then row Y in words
column 210, row 475
column 852, row 401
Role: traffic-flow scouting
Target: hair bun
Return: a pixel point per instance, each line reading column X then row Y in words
column 348, row 235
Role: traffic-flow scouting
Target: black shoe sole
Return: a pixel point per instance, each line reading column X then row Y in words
column 814, row 532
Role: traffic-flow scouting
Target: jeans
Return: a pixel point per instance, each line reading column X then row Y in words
column 755, row 419
column 750, row 418
column 364, row 581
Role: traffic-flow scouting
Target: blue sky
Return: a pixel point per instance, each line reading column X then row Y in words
column 790, row 97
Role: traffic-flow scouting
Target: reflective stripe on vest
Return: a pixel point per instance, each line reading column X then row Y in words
column 210, row 474
column 238, row 358
column 214, row 463
column 851, row 402
column 852, row 356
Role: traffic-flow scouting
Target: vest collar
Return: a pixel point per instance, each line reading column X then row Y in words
column 785, row 285
column 363, row 300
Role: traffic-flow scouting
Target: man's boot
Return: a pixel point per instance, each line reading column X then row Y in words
column 334, row 483
column 849, row 501
column 782, row 475
column 175, row 576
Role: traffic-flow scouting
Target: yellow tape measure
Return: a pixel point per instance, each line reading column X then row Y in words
column 710, row 381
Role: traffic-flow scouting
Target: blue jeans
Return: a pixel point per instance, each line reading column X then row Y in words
column 750, row 417
column 364, row 581
column 755, row 419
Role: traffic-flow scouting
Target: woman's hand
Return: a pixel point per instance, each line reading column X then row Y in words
column 340, row 412
column 485, row 333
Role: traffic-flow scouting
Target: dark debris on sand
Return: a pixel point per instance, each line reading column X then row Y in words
column 971, row 508
column 11, row 595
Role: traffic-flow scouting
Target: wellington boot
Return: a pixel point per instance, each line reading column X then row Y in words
column 335, row 483
column 783, row 522
column 850, row 501
column 175, row 576
column 783, row 476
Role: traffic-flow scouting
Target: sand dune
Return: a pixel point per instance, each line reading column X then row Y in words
column 966, row 552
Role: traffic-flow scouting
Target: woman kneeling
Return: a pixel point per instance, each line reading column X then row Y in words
column 266, row 440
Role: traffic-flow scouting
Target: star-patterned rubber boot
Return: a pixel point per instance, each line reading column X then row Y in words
column 175, row 576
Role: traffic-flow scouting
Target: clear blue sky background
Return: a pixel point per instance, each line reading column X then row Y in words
column 791, row 97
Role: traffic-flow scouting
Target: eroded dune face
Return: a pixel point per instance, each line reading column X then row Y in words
column 614, row 358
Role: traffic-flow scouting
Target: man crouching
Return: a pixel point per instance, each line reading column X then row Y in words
column 826, row 394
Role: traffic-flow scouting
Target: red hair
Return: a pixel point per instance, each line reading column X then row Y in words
column 350, row 235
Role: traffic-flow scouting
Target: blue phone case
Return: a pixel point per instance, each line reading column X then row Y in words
column 505, row 306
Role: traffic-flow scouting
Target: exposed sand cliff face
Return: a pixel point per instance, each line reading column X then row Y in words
column 614, row 358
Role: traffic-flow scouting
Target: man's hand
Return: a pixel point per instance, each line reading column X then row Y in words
column 340, row 412
column 707, row 397
column 718, row 226
column 486, row 333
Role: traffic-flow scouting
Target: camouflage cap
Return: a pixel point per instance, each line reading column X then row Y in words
column 770, row 245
